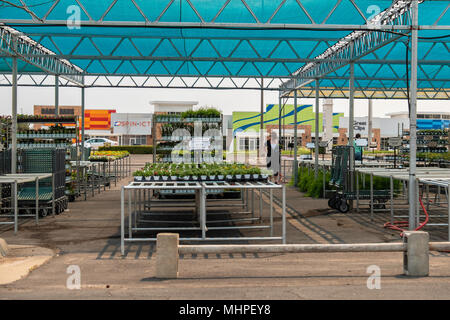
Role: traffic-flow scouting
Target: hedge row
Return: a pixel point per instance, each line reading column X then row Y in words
column 313, row 187
column 308, row 184
column 130, row 149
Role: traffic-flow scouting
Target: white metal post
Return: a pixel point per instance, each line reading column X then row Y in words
column 56, row 95
column 370, row 122
column 16, row 208
column 351, row 122
column 351, row 119
column 82, row 122
column 261, row 126
column 295, row 168
column 122, row 220
column 316, row 140
column 413, row 118
column 279, row 127
column 14, row 115
column 283, row 217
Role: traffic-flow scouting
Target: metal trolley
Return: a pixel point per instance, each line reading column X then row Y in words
column 343, row 179
column 51, row 191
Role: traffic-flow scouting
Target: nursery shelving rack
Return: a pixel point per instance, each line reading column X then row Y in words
column 159, row 156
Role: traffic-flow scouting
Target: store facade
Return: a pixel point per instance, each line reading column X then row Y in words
column 132, row 128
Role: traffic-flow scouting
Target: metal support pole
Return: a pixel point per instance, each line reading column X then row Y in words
column 16, row 209
column 131, row 212
column 14, row 115
column 122, row 220
column 261, row 126
column 203, row 211
column 448, row 209
column 53, row 194
column 391, row 185
column 280, row 136
column 370, row 122
column 413, row 117
column 357, row 192
column 260, row 204
column 37, row 200
column 283, row 224
column 351, row 121
column 56, row 96
column 316, row 140
column 295, row 169
column 371, row 197
column 271, row 213
column 82, row 122
column 253, row 203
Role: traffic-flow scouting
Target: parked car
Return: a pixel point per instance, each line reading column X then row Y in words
column 95, row 143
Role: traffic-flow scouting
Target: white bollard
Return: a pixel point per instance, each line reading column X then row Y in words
column 415, row 258
column 3, row 248
column 167, row 255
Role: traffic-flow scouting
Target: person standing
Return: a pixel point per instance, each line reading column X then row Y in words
column 358, row 149
column 273, row 156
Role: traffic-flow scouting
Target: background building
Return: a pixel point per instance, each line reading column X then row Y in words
column 97, row 122
column 246, row 125
column 426, row 120
column 132, row 128
column 382, row 129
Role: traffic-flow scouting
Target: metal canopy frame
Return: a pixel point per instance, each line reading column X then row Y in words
column 264, row 40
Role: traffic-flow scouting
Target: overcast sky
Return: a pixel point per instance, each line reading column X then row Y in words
column 138, row 100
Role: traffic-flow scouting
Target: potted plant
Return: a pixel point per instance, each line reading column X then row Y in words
column 264, row 176
column 165, row 175
column 156, row 175
column 194, row 174
column 147, row 175
column 203, row 174
column 187, row 175
column 220, row 174
column 213, row 173
column 254, row 172
column 138, row 175
column 228, row 174
column 247, row 173
column 237, row 173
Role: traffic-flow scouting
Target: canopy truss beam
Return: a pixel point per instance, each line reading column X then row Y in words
column 355, row 46
column 13, row 44
column 163, row 18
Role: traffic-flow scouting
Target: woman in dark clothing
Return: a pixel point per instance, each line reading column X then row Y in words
column 273, row 156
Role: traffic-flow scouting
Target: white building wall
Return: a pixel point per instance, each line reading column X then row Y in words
column 388, row 126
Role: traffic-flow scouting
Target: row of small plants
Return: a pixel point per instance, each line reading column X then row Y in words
column 26, row 117
column 208, row 158
column 53, row 132
column 199, row 172
column 129, row 149
column 43, row 144
column 202, row 114
column 428, row 156
column 168, row 128
column 105, row 156
column 433, row 132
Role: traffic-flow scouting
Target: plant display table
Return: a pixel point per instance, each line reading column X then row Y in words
column 139, row 206
column 17, row 179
